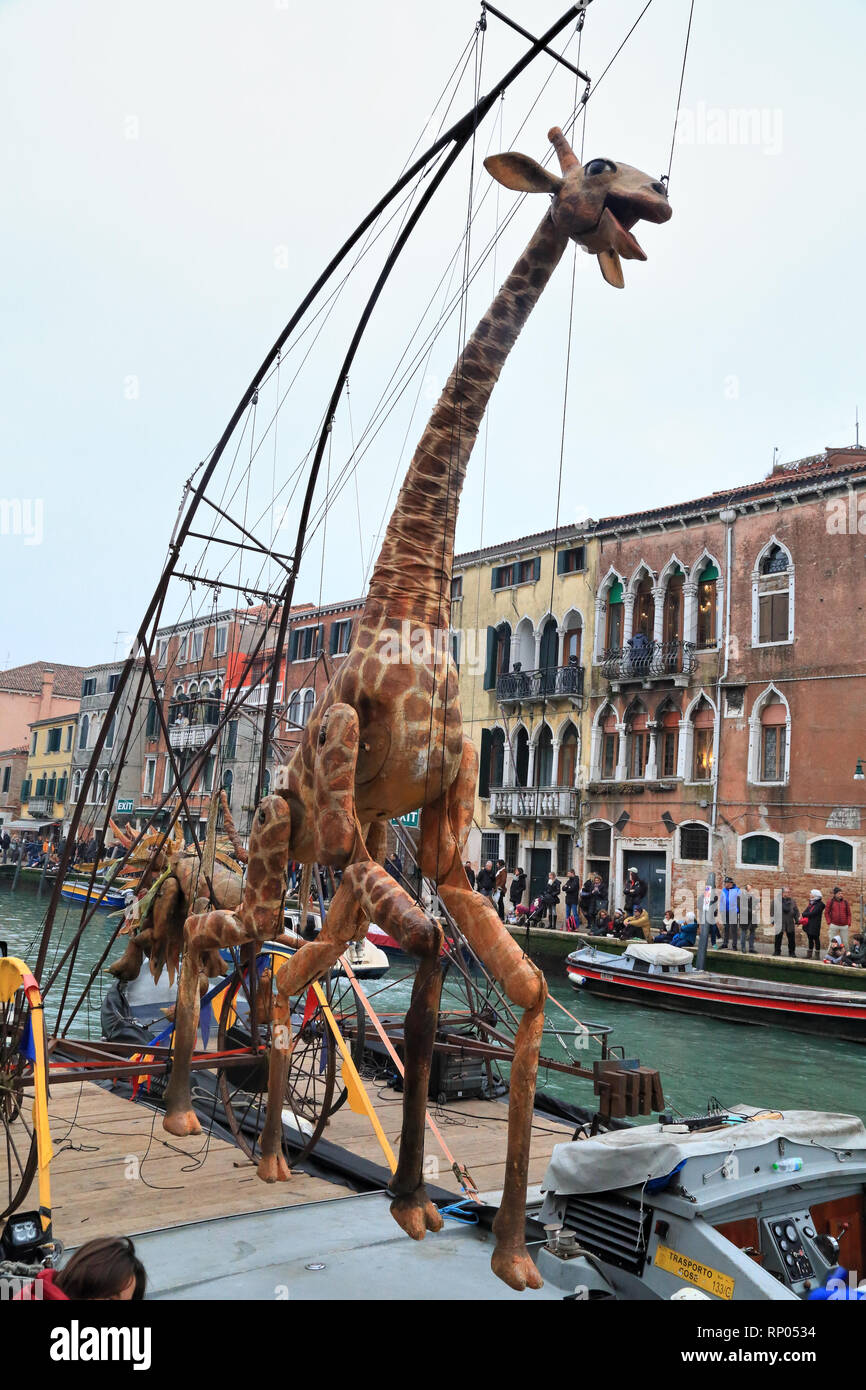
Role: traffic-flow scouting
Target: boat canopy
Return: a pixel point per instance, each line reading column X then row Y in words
column 660, row 954
column 629, row 1158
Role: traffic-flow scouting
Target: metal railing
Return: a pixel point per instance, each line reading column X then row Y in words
column 648, row 661
column 533, row 803
column 189, row 735
column 545, row 683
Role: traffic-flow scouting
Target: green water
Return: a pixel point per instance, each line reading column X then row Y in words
column 697, row 1057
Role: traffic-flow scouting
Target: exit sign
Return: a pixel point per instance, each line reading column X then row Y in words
column 412, row 820
column 124, row 805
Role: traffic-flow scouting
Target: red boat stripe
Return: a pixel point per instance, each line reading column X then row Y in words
column 763, row 1002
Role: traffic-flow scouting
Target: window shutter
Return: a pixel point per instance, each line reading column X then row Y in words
column 320, row 641
column 332, row 643
column 293, row 644
column 484, row 763
column 561, row 561
column 494, row 579
column 779, row 622
column 615, row 595
column 490, row 668
column 61, row 788
column 25, row 789
column 536, row 568
column 764, row 618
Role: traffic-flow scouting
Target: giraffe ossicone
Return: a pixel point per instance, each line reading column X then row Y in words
column 386, row 737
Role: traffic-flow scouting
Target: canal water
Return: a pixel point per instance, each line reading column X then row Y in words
column 698, row 1058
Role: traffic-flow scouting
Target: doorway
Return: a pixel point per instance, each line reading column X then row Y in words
column 539, row 868
column 652, row 868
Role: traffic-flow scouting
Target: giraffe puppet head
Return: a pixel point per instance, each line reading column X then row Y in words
column 597, row 203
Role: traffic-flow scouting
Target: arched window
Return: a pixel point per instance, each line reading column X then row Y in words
column 772, row 596
column 294, row 714
column 705, row 632
column 307, row 706
column 614, row 618
column 213, row 707
column 572, row 639
column 227, row 786
column 609, row 745
column 694, row 842
column 103, row 790
column 521, row 757
column 109, row 737
column 672, row 626
column 497, row 758
column 636, row 741
column 702, row 721
column 644, row 608
column 567, row 770
column 769, row 726
column 668, row 722
column 543, row 774
column 84, row 731
column 498, row 654
column 760, row 850
column 548, row 654
column 833, row 856
column 76, row 785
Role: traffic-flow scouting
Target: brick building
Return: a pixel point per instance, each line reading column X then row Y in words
column 726, row 699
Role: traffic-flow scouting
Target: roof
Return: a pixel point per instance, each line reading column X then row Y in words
column 818, row 472
column 70, row 716
column 27, row 680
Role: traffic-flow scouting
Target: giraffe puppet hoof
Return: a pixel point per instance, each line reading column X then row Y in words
column 273, row 1168
column 181, row 1123
column 416, row 1214
column 515, row 1268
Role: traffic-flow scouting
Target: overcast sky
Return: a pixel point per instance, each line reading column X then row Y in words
column 175, row 175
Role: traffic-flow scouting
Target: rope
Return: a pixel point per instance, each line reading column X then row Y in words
column 680, row 92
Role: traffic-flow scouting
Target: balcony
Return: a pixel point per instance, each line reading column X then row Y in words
column 533, row 803
column 190, row 735
column 548, row 683
column 40, row 806
column 650, row 661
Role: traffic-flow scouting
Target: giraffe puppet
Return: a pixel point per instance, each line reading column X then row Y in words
column 386, row 738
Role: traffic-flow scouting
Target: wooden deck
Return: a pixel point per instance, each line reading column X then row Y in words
column 117, row 1172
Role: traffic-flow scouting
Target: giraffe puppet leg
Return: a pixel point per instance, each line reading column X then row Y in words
column 444, row 825
column 368, row 891
column 203, row 932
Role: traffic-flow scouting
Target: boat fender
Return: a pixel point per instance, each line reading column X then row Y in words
column 579, row 980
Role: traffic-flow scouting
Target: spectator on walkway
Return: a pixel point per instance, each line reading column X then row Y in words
column 552, row 891
column 750, row 912
column 635, row 891
column 670, row 927
column 856, row 953
column 729, row 911
column 499, row 890
column 573, row 895
column 485, row 883
column 811, row 923
column 784, row 914
column 470, row 872
column 518, row 887
column 603, row 924
column 835, row 951
column 838, row 914
column 637, row 925
column 688, row 934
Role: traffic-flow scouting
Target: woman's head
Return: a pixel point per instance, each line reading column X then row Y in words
column 102, row 1269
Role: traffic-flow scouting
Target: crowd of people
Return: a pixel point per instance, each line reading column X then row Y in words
column 733, row 926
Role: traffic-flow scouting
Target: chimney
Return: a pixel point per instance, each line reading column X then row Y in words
column 47, row 693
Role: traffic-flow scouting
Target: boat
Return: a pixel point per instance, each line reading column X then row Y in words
column 665, row 977
column 102, row 896
column 731, row 1205
column 367, row 960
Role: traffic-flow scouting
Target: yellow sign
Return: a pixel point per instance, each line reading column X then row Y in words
column 702, row 1276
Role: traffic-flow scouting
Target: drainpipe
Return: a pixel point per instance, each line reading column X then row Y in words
column 729, row 516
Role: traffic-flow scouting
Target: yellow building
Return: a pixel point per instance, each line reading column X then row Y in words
column 45, row 793
column 523, row 614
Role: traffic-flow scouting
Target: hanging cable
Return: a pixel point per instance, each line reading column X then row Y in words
column 680, row 93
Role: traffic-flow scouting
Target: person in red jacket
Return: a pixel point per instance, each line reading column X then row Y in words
column 102, row 1270
column 838, row 914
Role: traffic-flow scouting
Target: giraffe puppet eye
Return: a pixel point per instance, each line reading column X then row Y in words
column 600, row 166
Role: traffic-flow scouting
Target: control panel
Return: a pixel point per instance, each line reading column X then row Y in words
column 789, row 1250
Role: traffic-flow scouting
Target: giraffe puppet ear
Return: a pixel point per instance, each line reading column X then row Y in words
column 521, row 173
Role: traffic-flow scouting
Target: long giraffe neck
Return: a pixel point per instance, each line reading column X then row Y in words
column 412, row 577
